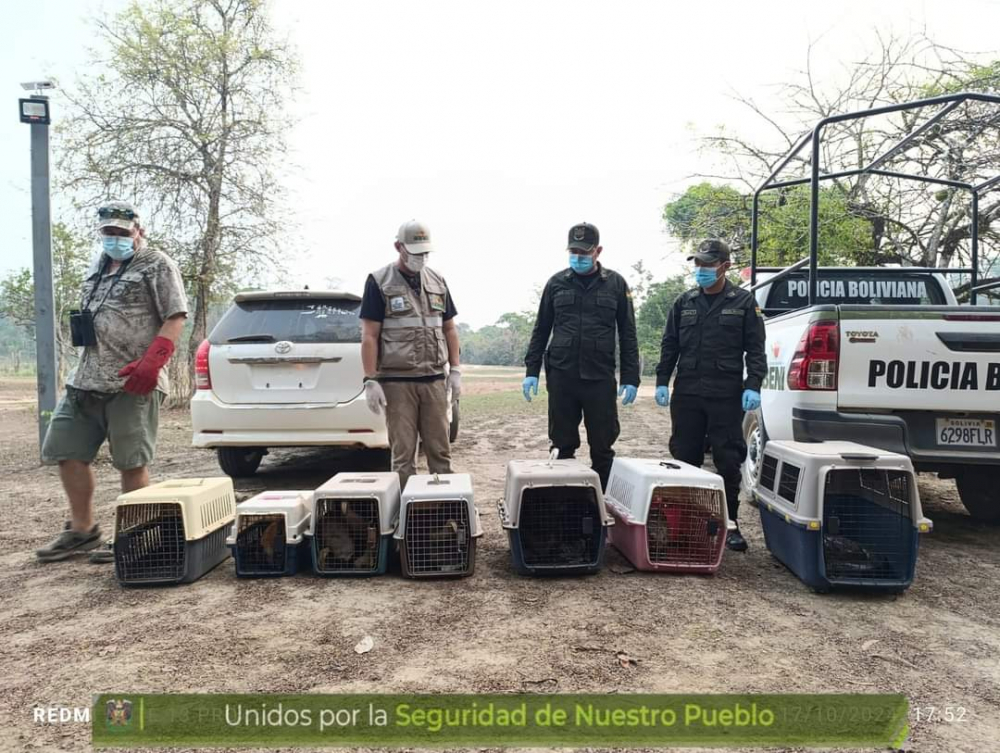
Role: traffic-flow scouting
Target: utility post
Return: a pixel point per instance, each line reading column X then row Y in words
column 34, row 110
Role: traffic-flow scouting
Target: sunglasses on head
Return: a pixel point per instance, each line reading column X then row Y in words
column 110, row 213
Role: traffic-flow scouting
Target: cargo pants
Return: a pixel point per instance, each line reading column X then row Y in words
column 417, row 409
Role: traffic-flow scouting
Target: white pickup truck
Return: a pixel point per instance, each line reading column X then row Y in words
column 886, row 358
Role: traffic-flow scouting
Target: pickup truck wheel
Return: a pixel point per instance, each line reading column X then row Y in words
column 977, row 486
column 240, row 461
column 756, row 437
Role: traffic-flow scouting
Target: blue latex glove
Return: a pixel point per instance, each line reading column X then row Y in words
column 529, row 386
column 662, row 396
column 751, row 400
column 629, row 391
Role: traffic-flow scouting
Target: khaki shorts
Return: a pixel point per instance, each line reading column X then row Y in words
column 83, row 420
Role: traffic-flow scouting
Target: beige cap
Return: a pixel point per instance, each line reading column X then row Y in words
column 118, row 214
column 415, row 237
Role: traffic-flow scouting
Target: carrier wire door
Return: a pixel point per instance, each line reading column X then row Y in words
column 438, row 526
column 353, row 520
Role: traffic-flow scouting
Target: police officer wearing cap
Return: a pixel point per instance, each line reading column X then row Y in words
column 710, row 331
column 410, row 352
column 582, row 308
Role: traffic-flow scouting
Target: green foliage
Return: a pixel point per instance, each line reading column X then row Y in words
column 71, row 255
column 500, row 344
column 719, row 211
column 651, row 318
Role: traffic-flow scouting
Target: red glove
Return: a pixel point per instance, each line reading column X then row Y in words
column 142, row 373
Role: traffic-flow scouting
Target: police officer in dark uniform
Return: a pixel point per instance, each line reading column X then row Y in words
column 581, row 308
column 709, row 331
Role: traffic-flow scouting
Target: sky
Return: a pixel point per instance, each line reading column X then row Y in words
column 499, row 124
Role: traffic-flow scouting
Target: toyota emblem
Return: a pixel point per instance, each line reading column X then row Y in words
column 283, row 347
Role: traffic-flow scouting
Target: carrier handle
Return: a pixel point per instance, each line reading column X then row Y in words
column 438, row 481
column 670, row 466
column 858, row 456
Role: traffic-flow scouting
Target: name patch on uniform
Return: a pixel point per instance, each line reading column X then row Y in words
column 437, row 301
column 734, row 312
column 398, row 304
column 689, row 312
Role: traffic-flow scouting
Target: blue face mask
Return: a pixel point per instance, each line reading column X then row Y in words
column 581, row 263
column 705, row 277
column 118, row 248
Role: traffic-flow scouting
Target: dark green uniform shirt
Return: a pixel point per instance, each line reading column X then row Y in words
column 583, row 314
column 707, row 339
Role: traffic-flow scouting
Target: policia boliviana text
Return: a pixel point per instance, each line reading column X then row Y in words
column 709, row 331
column 583, row 307
column 409, row 337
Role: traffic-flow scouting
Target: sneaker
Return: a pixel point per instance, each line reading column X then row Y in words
column 68, row 543
column 735, row 541
column 104, row 555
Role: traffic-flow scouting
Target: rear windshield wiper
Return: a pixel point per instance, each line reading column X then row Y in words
column 251, row 339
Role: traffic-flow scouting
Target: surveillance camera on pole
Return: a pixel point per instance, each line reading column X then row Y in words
column 34, row 110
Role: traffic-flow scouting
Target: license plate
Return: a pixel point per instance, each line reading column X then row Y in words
column 967, row 432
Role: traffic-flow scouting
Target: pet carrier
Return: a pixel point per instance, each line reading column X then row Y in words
column 669, row 515
column 555, row 518
column 354, row 516
column 438, row 526
column 173, row 531
column 840, row 513
column 268, row 537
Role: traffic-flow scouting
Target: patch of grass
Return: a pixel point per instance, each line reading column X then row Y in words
column 504, row 402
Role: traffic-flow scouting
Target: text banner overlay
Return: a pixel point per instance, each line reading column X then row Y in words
column 123, row 720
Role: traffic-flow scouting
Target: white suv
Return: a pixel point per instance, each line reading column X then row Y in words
column 283, row 369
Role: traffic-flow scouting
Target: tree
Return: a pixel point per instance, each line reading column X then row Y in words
column 188, row 121
column 71, row 256
column 906, row 222
column 651, row 318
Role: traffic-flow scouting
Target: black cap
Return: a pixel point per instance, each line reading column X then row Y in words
column 583, row 237
column 712, row 251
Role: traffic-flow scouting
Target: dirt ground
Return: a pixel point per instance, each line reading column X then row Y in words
column 67, row 630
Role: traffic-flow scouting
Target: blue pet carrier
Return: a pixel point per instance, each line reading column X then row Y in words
column 840, row 514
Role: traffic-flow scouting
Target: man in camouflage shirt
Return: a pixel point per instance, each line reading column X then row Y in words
column 134, row 305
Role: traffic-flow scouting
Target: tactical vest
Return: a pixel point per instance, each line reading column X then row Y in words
column 412, row 341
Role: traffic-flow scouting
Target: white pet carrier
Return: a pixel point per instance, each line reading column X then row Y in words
column 840, row 513
column 554, row 515
column 438, row 526
column 354, row 517
column 173, row 531
column 269, row 535
column 671, row 516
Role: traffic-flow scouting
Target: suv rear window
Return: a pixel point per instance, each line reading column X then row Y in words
column 861, row 288
column 308, row 320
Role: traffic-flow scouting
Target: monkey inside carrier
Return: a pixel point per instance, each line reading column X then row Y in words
column 841, row 514
column 670, row 516
column 438, row 526
column 555, row 518
column 173, row 531
column 354, row 516
column 269, row 535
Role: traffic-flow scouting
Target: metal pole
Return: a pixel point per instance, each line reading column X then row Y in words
column 814, row 214
column 753, row 236
column 975, row 248
column 41, row 238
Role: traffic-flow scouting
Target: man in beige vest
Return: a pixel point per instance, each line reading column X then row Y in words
column 409, row 338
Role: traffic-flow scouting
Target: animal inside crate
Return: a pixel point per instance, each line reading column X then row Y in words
column 354, row 517
column 555, row 518
column 173, row 531
column 669, row 515
column 269, row 535
column 438, row 526
column 841, row 514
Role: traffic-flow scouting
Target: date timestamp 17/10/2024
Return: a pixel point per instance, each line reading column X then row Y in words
column 940, row 714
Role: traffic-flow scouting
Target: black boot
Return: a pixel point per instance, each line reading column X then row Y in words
column 735, row 541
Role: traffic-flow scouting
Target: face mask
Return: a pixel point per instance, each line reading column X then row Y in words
column 705, row 277
column 118, row 248
column 415, row 262
column 580, row 263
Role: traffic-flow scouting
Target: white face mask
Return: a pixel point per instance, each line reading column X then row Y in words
column 415, row 262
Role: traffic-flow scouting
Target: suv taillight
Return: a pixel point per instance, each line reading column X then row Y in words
column 202, row 376
column 814, row 365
